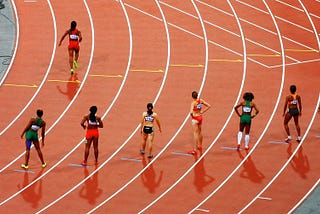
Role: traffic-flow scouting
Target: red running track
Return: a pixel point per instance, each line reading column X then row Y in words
column 159, row 51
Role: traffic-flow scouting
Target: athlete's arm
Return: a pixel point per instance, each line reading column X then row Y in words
column 83, row 121
column 27, row 127
column 43, row 131
column 236, row 109
column 285, row 106
column 207, row 105
column 100, row 122
column 62, row 38
column 300, row 105
column 158, row 122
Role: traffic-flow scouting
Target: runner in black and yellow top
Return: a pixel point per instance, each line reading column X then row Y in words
column 147, row 129
column 31, row 135
column 292, row 108
column 245, row 118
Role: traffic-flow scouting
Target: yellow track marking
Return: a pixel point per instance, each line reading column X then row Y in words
column 20, row 85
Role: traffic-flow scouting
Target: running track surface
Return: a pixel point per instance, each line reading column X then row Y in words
column 135, row 52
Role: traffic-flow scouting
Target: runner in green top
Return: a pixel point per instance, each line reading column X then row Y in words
column 245, row 118
column 31, row 135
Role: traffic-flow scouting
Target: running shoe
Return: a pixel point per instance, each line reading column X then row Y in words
column 96, row 163
column 75, row 64
column 71, row 71
column 246, row 147
column 299, row 139
column 84, row 163
column 24, row 166
column 238, row 147
column 150, row 156
column 288, row 139
column 44, row 165
column 199, row 148
column 142, row 152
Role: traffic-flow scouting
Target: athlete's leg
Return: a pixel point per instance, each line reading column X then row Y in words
column 96, row 149
column 296, row 122
column 199, row 145
column 143, row 143
column 150, row 143
column 36, row 145
column 87, row 149
column 70, row 58
column 287, row 118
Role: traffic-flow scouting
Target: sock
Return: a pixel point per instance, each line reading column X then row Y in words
column 239, row 137
column 246, row 140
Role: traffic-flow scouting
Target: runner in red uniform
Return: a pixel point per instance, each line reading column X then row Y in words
column 75, row 38
column 196, row 113
column 92, row 135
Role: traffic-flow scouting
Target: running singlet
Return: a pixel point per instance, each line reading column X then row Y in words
column 35, row 127
column 149, row 118
column 74, row 40
column 294, row 101
column 198, row 107
column 247, row 108
column 95, row 123
column 73, row 36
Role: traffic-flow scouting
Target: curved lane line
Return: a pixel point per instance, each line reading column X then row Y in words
column 227, row 121
column 288, row 161
column 312, row 24
column 44, row 78
column 117, row 151
column 85, row 76
column 16, row 43
column 305, row 197
column 264, row 131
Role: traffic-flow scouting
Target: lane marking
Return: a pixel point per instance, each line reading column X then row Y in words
column 181, row 153
column 230, row 148
column 146, row 70
column 77, row 165
column 21, row 85
column 301, row 50
column 131, row 159
column 278, row 142
column 225, row 60
column 265, row 198
column 68, row 81
column 202, row 210
column 106, row 75
column 188, row 65
column 23, row 170
column 318, row 136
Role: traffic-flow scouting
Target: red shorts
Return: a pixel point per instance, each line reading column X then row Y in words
column 92, row 133
column 74, row 45
column 197, row 118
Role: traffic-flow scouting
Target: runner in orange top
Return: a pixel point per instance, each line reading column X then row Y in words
column 196, row 112
column 92, row 135
column 75, row 38
column 292, row 108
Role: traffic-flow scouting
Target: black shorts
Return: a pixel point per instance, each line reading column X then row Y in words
column 147, row 129
column 293, row 111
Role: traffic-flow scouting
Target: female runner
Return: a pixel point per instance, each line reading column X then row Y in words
column 245, row 118
column 196, row 112
column 75, row 37
column 147, row 129
column 92, row 136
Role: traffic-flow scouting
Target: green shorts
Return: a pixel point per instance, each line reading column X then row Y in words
column 32, row 135
column 245, row 119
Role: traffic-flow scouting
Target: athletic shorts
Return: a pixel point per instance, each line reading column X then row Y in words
column 92, row 133
column 293, row 111
column 32, row 135
column 147, row 129
column 245, row 119
column 74, row 45
column 197, row 119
